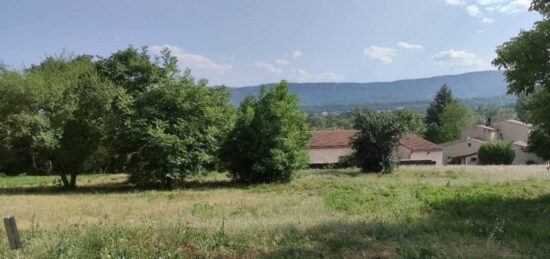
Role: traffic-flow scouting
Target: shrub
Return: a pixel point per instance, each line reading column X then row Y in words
column 496, row 153
column 269, row 140
column 177, row 131
column 531, row 162
column 375, row 145
column 346, row 161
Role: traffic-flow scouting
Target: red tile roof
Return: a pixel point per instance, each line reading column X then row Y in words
column 331, row 139
column 340, row 138
column 416, row 143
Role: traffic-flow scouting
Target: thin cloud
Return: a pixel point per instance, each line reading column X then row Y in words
column 479, row 8
column 460, row 58
column 282, row 62
column 382, row 54
column 269, row 67
column 406, row 45
column 192, row 60
column 296, row 54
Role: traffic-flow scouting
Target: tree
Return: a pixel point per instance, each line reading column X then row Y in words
column 522, row 108
column 539, row 141
column 53, row 116
column 525, row 60
column 135, row 73
column 538, row 104
column 269, row 140
column 331, row 121
column 443, row 97
column 496, row 153
column 411, row 121
column 176, row 130
column 375, row 145
column 435, row 131
column 454, row 118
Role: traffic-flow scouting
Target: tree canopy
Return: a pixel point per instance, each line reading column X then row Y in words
column 54, row 116
column 269, row 140
column 496, row 153
column 525, row 60
column 442, row 98
column 375, row 145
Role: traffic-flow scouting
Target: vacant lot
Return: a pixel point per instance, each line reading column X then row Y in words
column 457, row 212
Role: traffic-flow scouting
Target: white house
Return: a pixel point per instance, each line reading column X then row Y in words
column 512, row 131
column 326, row 147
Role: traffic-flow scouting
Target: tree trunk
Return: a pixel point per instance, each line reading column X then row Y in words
column 73, row 181
column 68, row 184
column 65, row 181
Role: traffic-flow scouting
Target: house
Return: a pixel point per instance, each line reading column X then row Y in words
column 326, row 147
column 415, row 148
column 464, row 151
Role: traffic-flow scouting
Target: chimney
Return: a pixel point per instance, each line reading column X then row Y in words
column 489, row 122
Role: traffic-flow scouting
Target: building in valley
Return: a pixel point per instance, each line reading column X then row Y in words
column 326, row 147
column 464, row 151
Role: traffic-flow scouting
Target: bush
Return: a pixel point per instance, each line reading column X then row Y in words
column 496, row 153
column 531, row 162
column 178, row 129
column 269, row 140
column 346, row 161
column 375, row 145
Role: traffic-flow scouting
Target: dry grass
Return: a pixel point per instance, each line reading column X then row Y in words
column 323, row 212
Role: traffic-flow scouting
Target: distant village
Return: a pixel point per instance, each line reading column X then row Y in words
column 327, row 147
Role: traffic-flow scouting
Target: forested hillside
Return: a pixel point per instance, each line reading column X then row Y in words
column 464, row 86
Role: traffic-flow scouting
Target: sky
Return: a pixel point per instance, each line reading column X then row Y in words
column 250, row 42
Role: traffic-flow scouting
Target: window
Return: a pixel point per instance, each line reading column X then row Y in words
column 469, row 144
column 473, row 159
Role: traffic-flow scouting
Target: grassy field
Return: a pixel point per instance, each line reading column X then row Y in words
column 418, row 212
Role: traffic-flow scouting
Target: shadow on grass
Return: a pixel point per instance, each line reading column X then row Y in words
column 121, row 187
column 337, row 173
column 56, row 189
column 489, row 227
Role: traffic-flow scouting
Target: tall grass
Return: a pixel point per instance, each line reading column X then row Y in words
column 418, row 212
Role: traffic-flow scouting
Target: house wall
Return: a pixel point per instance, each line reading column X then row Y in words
column 327, row 155
column 331, row 155
column 511, row 132
column 403, row 153
column 460, row 149
column 522, row 157
column 469, row 160
column 479, row 133
column 436, row 156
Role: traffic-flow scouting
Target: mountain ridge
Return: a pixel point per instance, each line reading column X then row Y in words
column 466, row 85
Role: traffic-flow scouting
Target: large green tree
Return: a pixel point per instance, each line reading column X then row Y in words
column 177, row 130
column 525, row 60
column 411, row 120
column 53, row 116
column 443, row 97
column 135, row 73
column 454, row 118
column 167, row 126
column 269, row 140
column 376, row 144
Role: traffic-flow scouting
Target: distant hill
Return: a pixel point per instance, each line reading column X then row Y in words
column 464, row 86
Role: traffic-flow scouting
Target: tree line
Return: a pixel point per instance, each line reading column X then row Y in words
column 138, row 114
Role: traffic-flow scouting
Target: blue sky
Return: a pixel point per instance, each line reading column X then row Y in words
column 249, row 42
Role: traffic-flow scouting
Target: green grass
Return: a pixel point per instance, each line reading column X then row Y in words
column 54, row 180
column 418, row 212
